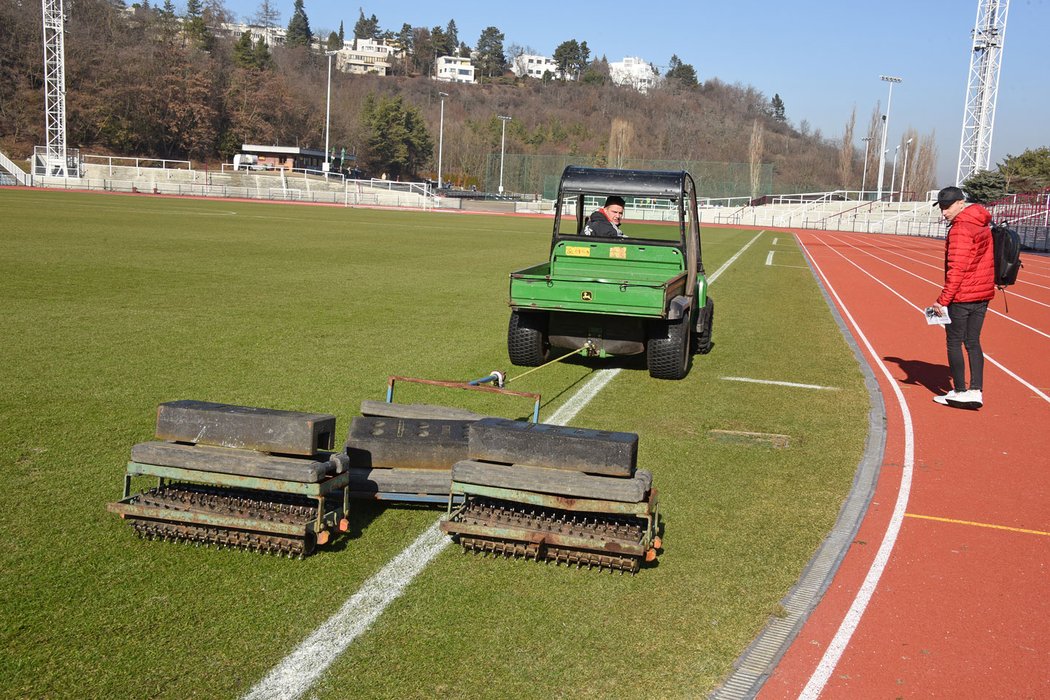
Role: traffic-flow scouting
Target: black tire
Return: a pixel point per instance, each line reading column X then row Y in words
column 703, row 339
column 527, row 339
column 667, row 349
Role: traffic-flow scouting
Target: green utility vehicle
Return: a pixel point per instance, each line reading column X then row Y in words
column 643, row 293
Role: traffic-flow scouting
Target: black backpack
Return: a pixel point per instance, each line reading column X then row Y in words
column 1006, row 248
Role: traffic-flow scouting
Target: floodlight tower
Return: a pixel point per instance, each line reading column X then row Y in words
column 55, row 89
column 989, row 33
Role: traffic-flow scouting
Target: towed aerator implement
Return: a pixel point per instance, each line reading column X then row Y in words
column 266, row 480
column 236, row 476
column 554, row 493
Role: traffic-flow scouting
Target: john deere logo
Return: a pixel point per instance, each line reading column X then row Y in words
column 586, row 296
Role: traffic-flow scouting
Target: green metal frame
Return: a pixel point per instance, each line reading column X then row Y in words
column 647, row 510
column 317, row 491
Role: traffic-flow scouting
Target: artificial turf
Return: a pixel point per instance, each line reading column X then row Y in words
column 113, row 304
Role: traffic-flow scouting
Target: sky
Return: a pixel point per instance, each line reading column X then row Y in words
column 823, row 58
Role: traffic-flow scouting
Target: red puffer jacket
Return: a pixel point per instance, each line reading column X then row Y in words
column 969, row 262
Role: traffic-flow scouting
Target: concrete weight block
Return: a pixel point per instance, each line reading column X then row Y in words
column 226, row 460
column 245, row 427
column 558, row 482
column 553, row 446
column 406, row 443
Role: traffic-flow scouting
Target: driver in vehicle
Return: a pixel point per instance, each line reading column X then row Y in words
column 605, row 222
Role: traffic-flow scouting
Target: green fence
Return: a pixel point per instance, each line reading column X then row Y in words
column 536, row 174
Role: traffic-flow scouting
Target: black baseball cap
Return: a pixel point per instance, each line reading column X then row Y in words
column 949, row 196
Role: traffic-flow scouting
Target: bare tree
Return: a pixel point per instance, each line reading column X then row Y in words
column 621, row 135
column 755, row 154
column 268, row 15
column 873, row 144
column 846, row 151
column 923, row 177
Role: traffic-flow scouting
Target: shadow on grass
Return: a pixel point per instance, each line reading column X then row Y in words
column 934, row 377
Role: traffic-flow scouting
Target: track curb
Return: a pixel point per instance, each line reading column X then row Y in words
column 754, row 666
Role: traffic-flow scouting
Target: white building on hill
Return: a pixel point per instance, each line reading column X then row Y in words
column 454, row 69
column 534, row 66
column 634, row 72
column 366, row 56
column 271, row 36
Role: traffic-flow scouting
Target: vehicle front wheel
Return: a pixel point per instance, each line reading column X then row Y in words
column 527, row 339
column 667, row 349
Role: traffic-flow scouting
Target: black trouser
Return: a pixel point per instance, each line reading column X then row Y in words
column 965, row 329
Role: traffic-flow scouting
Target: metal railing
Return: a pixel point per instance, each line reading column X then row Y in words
column 17, row 175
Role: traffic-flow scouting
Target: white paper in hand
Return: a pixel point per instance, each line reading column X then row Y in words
column 935, row 319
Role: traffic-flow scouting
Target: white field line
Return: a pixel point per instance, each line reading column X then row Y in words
column 298, row 671
column 860, row 602
column 769, row 258
column 935, row 284
column 776, row 383
column 775, row 241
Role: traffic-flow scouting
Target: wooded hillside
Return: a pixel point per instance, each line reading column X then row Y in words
column 154, row 85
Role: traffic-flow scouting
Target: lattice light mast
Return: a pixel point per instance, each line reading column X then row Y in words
column 55, row 162
column 989, row 33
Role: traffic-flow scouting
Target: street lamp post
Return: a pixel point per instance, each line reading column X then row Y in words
column 328, row 111
column 441, row 135
column 904, row 174
column 502, row 144
column 864, row 176
column 893, row 178
column 885, row 129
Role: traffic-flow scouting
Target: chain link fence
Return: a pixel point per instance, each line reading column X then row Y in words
column 540, row 174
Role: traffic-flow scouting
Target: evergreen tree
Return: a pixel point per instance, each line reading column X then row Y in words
column 366, row 28
column 1028, row 172
column 342, row 36
column 195, row 27
column 682, row 74
column 398, row 142
column 776, row 108
column 440, row 41
column 333, row 43
column 263, row 57
column 491, row 61
column 985, row 186
column 453, row 36
column 244, row 51
column 299, row 33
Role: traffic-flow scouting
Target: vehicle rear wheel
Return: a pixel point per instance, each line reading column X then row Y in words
column 703, row 338
column 527, row 342
column 667, row 349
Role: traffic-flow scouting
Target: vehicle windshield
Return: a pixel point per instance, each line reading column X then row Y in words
column 645, row 218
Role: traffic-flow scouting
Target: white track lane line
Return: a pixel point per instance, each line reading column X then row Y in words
column 860, row 602
column 938, row 285
column 298, row 671
column 1035, row 390
column 1021, row 279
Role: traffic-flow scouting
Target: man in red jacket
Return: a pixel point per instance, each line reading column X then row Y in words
column 969, row 284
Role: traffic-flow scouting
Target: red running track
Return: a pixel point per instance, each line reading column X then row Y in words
column 945, row 591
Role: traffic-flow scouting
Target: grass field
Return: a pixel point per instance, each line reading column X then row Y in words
column 113, row 304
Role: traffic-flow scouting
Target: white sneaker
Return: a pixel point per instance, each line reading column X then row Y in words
column 972, row 399
column 950, row 396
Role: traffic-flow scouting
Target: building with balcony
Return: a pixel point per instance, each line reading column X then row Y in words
column 454, row 69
